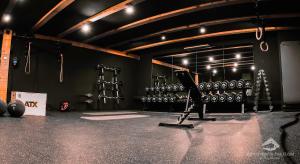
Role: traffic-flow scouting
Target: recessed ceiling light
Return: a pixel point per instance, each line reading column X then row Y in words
column 208, row 67
column 234, row 69
column 215, row 71
column 129, row 9
column 86, row 28
column 235, row 64
column 238, row 56
column 202, row 30
column 185, row 62
column 163, row 37
column 6, row 18
column 211, row 59
column 253, row 68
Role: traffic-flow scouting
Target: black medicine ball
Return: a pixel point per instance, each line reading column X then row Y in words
column 16, row 108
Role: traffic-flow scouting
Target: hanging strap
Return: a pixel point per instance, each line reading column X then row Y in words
column 28, row 58
column 260, row 31
column 61, row 73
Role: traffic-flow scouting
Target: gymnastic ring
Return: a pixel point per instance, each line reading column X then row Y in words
column 259, row 33
column 262, row 44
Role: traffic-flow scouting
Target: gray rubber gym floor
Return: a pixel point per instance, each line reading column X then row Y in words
column 136, row 138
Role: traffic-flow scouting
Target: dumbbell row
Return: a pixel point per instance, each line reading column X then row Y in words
column 166, row 88
column 99, row 82
column 224, row 85
column 223, row 98
column 100, row 88
column 110, row 97
column 162, row 99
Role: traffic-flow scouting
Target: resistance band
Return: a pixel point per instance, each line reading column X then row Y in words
column 61, row 73
column 28, row 58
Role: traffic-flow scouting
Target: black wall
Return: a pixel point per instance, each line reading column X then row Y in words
column 270, row 61
column 168, row 72
column 79, row 73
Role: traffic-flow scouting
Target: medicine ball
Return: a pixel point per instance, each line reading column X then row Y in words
column 64, row 106
column 16, row 108
column 3, row 107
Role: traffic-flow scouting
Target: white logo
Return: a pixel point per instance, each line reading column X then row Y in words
column 270, row 145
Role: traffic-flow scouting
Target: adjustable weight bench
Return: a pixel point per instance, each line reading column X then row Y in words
column 193, row 92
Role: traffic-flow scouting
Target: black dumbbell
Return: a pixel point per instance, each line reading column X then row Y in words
column 152, row 89
column 240, row 84
column 159, row 99
column 157, row 88
column 206, row 98
column 98, row 81
column 162, row 88
column 222, row 98
column 153, row 99
column 171, row 99
column 180, row 87
column 175, row 88
column 238, row 97
column 147, row 89
column 202, row 86
column 214, row 98
column 208, row 86
column 216, row 85
column 143, row 99
column 229, row 97
column 165, row 98
column 169, row 88
column 224, row 85
column 232, row 84
column 149, row 99
column 248, row 84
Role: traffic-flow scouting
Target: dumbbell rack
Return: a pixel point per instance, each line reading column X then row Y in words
column 159, row 80
column 221, row 96
column 166, row 94
column 262, row 80
column 113, row 86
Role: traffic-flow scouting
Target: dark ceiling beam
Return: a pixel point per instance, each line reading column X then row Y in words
column 201, row 60
column 108, row 51
column 210, row 50
column 86, row 46
column 220, row 61
column 225, row 63
column 207, row 23
column 243, row 67
column 155, row 18
column 204, row 36
column 107, row 12
column 205, row 58
column 54, row 11
column 221, row 55
column 157, row 62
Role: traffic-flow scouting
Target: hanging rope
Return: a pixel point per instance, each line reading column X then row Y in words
column 28, row 58
column 260, row 31
column 61, row 73
column 172, row 70
column 196, row 62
